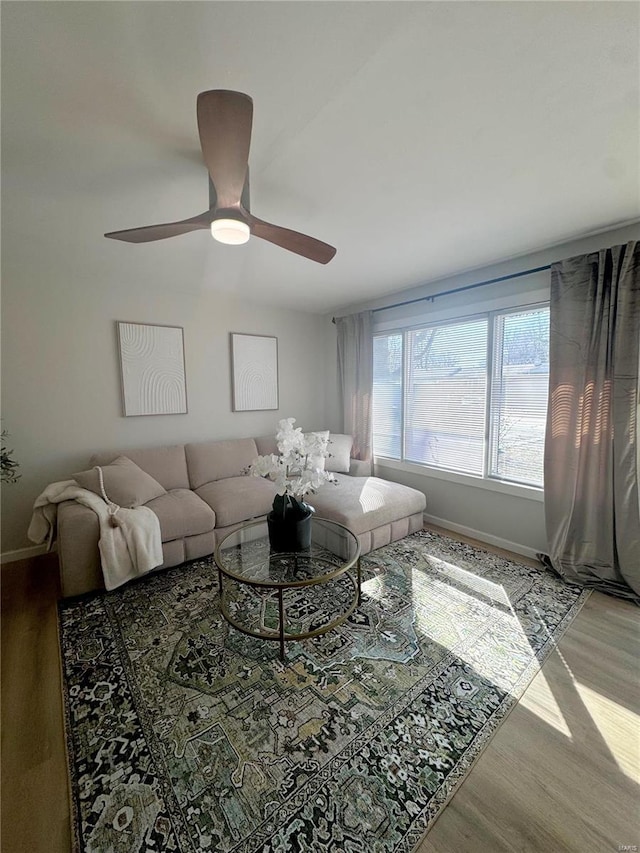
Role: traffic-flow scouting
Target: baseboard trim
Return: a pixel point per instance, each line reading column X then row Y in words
column 481, row 536
column 23, row 553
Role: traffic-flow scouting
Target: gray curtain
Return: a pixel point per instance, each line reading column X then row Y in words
column 355, row 376
column 591, row 450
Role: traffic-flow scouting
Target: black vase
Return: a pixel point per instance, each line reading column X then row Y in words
column 291, row 530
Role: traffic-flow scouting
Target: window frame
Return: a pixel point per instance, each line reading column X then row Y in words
column 492, row 481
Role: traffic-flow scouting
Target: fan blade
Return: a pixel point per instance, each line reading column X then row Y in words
column 308, row 247
column 160, row 232
column 224, row 124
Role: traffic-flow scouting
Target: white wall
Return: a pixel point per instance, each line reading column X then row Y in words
column 61, row 382
column 61, row 379
column 508, row 519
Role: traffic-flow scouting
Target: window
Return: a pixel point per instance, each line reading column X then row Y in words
column 387, row 395
column 466, row 395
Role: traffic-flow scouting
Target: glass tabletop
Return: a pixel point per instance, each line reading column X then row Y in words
column 245, row 555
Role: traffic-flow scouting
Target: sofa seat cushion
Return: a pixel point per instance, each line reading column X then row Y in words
column 364, row 503
column 238, row 499
column 182, row 513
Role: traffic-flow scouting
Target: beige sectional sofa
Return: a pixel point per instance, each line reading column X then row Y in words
column 208, row 495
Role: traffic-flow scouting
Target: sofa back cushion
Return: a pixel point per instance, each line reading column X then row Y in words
column 266, row 444
column 339, row 453
column 167, row 465
column 208, row 461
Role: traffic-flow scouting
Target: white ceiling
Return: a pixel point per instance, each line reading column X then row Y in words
column 419, row 138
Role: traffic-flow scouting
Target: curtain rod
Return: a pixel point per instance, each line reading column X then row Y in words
column 460, row 289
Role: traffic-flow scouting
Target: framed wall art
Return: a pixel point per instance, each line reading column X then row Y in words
column 152, row 369
column 254, row 372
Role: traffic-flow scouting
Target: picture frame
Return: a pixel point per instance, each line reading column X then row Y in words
column 152, row 369
column 254, row 372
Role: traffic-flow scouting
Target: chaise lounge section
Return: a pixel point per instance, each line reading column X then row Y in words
column 208, row 494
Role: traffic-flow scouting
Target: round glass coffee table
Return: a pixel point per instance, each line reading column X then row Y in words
column 270, row 595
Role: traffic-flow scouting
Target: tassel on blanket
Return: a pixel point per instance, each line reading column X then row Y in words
column 113, row 508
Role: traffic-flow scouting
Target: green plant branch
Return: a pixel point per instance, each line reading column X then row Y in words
column 8, row 465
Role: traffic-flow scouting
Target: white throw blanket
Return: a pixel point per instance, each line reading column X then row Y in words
column 127, row 551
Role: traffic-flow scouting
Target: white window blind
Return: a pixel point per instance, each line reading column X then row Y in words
column 466, row 395
column 520, row 386
column 387, row 396
column 446, row 395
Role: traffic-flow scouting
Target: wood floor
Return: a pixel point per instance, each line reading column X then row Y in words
column 561, row 775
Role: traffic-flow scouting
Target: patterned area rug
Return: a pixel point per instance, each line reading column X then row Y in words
column 186, row 735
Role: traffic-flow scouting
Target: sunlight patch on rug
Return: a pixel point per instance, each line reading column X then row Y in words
column 185, row 735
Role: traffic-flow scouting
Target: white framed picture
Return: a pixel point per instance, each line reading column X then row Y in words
column 254, row 372
column 152, row 369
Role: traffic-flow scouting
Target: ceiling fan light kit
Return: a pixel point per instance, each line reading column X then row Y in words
column 224, row 124
column 230, row 231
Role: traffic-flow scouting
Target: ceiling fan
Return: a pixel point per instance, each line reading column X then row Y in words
column 224, row 125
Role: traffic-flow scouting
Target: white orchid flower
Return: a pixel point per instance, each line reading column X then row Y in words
column 281, row 482
column 263, row 465
column 292, row 470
